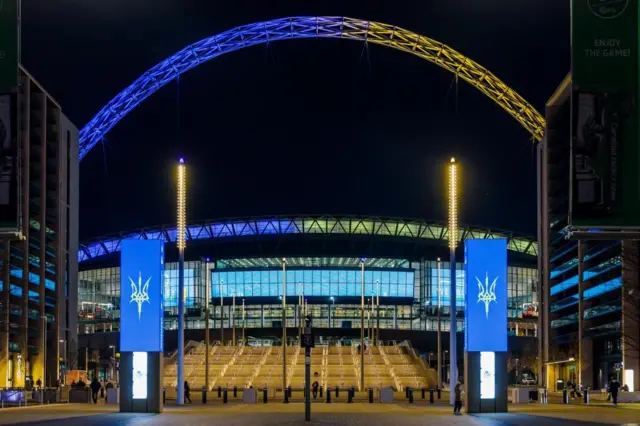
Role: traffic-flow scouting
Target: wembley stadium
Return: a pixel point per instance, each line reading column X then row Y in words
column 237, row 265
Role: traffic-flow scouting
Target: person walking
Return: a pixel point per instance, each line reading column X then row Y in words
column 187, row 392
column 95, row 388
column 458, row 401
column 614, row 387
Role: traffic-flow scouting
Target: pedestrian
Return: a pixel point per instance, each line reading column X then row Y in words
column 458, row 401
column 39, row 383
column 187, row 392
column 95, row 388
column 614, row 387
column 314, row 388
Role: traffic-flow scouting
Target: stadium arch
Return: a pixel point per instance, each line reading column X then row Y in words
column 299, row 27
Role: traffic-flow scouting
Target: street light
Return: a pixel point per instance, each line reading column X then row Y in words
column 378, row 311
column 221, row 314
column 439, row 328
column 284, row 327
column 453, row 241
column 180, row 242
column 207, row 275
column 332, row 308
column 233, row 319
column 243, row 324
column 362, row 324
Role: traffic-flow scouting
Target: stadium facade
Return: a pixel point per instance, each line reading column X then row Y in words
column 243, row 258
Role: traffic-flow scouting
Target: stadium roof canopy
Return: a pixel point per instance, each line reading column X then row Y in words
column 306, row 225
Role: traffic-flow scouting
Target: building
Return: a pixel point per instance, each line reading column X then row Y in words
column 322, row 265
column 38, row 272
column 583, row 292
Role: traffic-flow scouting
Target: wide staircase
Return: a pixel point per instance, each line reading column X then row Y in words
column 395, row 366
column 339, row 368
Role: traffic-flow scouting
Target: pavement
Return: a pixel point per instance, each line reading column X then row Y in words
column 338, row 414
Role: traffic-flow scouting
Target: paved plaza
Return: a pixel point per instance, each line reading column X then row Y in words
column 277, row 414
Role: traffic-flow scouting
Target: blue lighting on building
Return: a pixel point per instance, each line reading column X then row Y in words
column 312, row 282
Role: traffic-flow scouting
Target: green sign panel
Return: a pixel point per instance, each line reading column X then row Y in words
column 8, row 45
column 605, row 129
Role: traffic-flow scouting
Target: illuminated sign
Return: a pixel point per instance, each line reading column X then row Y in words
column 486, row 295
column 141, row 296
column 487, row 375
column 140, row 375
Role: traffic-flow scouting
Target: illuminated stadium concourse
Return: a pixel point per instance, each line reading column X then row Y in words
column 244, row 258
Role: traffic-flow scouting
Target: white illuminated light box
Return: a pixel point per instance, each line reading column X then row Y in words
column 139, row 375
column 628, row 380
column 487, row 375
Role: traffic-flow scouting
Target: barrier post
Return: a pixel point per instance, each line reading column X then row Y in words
column 164, row 396
column 371, row 395
column 423, row 392
column 204, row 394
column 219, row 391
column 410, row 395
column 431, row 401
column 586, row 396
column 224, row 395
column 321, row 391
column 265, row 395
column 439, row 393
column 328, row 396
column 337, row 392
column 350, row 393
column 565, row 396
column 235, row 391
column 286, row 395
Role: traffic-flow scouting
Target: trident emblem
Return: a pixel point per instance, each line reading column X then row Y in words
column 139, row 293
column 487, row 293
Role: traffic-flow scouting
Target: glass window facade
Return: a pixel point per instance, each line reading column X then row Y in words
column 409, row 294
column 313, row 282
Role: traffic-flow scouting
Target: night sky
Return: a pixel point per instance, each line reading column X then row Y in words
column 302, row 126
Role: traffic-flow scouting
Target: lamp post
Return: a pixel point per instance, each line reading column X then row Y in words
column 362, row 324
column 378, row 311
column 332, row 308
column 206, row 321
column 180, row 242
column 299, row 310
column 453, row 240
column 244, row 326
column 233, row 319
column 439, row 362
column 284, row 326
column 221, row 314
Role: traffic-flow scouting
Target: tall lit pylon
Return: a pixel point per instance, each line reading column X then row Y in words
column 453, row 242
column 180, row 243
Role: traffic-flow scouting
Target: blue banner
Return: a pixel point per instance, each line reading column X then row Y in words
column 486, row 295
column 141, row 296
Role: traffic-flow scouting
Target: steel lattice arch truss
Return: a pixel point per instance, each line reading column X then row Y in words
column 321, row 225
column 310, row 27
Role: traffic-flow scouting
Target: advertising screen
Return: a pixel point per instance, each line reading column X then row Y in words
column 486, row 295
column 141, row 296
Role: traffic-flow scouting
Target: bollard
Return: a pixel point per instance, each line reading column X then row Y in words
column 439, row 393
column 350, row 393
column 224, row 395
column 265, row 395
column 289, row 390
column 431, row 396
column 164, row 396
column 406, row 392
column 286, row 396
column 337, row 392
column 410, row 395
column 235, row 391
column 371, row 395
column 565, row 396
column 423, row 393
column 204, row 394
column 219, row 391
column 320, row 391
column 328, row 401
column 586, row 396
